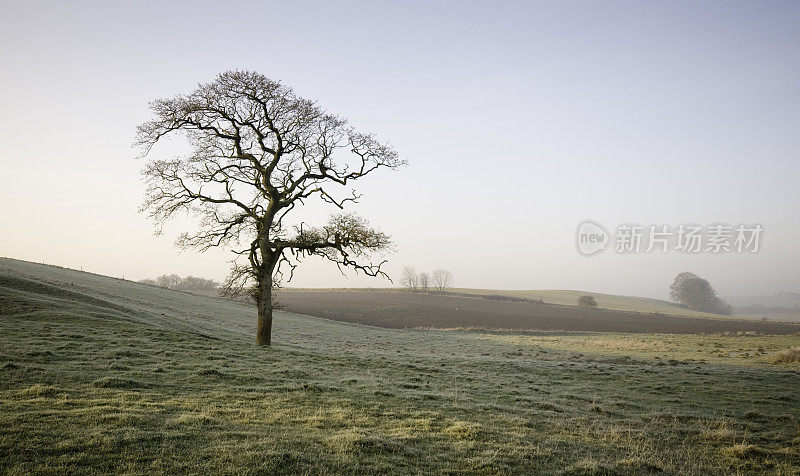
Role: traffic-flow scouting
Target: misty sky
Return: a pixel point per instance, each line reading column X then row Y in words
column 519, row 120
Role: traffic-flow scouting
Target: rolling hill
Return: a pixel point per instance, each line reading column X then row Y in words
column 496, row 312
column 612, row 302
column 101, row 375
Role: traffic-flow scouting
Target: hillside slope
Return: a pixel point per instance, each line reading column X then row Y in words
column 32, row 287
column 99, row 375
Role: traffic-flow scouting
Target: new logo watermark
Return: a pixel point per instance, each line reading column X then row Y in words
column 593, row 238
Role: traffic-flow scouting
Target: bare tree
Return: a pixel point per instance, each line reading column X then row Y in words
column 442, row 279
column 424, row 281
column 410, row 278
column 260, row 152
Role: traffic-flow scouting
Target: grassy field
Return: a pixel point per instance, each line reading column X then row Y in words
column 560, row 297
column 102, row 375
column 787, row 316
column 449, row 310
column 604, row 301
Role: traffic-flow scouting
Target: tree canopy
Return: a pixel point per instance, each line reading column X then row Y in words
column 697, row 294
column 259, row 152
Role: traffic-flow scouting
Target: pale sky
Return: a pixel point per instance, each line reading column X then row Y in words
column 519, row 121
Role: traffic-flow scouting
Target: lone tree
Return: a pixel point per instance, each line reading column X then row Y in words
column 258, row 153
column 587, row 302
column 698, row 294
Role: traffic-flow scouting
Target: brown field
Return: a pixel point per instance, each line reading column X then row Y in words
column 400, row 310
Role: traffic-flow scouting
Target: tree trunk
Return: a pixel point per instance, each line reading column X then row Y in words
column 264, row 332
column 264, row 302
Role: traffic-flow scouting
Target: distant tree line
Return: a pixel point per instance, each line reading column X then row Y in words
column 438, row 280
column 698, row 295
column 189, row 283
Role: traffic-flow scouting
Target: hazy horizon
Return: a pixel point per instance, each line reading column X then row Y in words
column 519, row 123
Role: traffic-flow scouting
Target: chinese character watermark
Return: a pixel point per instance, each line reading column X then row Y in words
column 718, row 238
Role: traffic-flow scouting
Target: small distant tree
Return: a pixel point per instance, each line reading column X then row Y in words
column 151, row 282
column 442, row 279
column 697, row 294
column 424, row 281
column 587, row 302
column 410, row 280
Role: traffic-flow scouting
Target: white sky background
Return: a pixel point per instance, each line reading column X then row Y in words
column 519, row 121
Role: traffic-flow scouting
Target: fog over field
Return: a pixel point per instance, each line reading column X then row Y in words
column 451, row 237
column 518, row 121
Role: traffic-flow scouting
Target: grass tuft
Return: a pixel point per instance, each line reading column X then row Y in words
column 40, row 390
column 462, row 430
column 747, row 451
column 791, row 355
